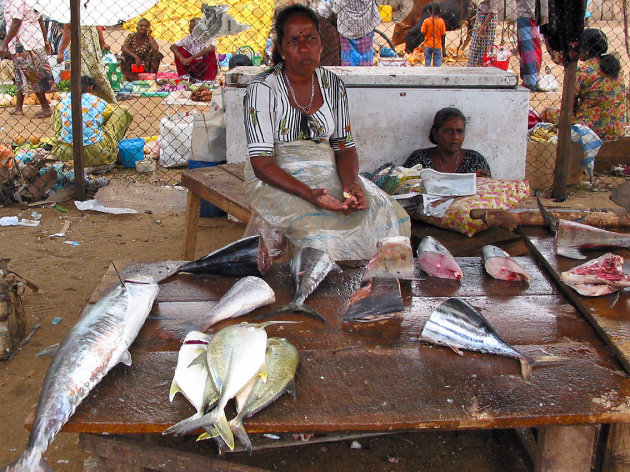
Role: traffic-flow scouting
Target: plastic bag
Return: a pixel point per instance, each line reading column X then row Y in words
column 175, row 137
column 208, row 136
column 497, row 56
column 56, row 68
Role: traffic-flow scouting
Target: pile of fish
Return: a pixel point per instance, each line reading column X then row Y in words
column 93, row 346
column 309, row 267
column 600, row 276
column 456, row 324
column 237, row 362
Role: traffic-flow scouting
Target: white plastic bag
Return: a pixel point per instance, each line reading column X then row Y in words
column 56, row 68
column 175, row 137
column 208, row 137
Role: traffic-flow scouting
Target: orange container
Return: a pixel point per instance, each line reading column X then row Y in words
column 65, row 75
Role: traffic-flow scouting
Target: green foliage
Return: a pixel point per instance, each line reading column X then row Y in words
column 9, row 89
column 63, row 86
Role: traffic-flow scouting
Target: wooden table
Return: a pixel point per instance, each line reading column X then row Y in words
column 358, row 378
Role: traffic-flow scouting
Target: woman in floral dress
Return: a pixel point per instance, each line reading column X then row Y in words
column 140, row 49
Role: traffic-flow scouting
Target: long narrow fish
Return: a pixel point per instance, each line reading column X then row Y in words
column 245, row 296
column 436, row 260
column 235, row 355
column 191, row 376
column 600, row 276
column 572, row 236
column 393, row 257
column 456, row 324
column 92, row 347
column 247, row 256
column 500, row 265
column 379, row 299
column 308, row 268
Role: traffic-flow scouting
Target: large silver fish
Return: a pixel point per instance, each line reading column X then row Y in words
column 500, row 265
column 235, row 355
column 191, row 376
column 456, row 324
column 93, row 346
column 572, row 236
column 245, row 296
column 436, row 260
column 308, row 268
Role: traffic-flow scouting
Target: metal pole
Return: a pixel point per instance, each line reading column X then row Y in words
column 563, row 150
column 75, row 91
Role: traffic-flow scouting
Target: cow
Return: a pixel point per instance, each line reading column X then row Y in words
column 454, row 12
column 408, row 22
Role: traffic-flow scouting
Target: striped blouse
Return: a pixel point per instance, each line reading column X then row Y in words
column 270, row 118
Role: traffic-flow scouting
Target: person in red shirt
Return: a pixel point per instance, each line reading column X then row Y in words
column 434, row 29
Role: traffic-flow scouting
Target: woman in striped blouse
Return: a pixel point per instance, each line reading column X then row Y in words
column 303, row 179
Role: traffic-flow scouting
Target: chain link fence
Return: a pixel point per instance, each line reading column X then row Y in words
column 166, row 106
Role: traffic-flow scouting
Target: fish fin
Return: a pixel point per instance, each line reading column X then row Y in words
column 526, row 367
column 239, row 431
column 205, row 435
column 201, row 359
column 263, row 373
column 23, row 463
column 614, row 299
column 571, row 252
column 194, row 422
column 48, row 351
column 456, row 350
column 282, row 309
column 225, row 431
column 290, row 388
column 174, row 389
column 125, row 358
column 309, row 311
column 335, row 268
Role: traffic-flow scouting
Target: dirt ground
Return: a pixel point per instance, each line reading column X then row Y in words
column 66, row 276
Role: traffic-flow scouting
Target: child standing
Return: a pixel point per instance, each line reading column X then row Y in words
column 433, row 29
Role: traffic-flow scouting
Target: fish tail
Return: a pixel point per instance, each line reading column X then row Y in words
column 225, row 431
column 239, row 431
column 309, row 311
column 527, row 367
column 194, row 422
column 293, row 307
column 28, row 463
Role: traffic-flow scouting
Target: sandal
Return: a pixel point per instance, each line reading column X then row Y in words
column 16, row 113
column 43, row 114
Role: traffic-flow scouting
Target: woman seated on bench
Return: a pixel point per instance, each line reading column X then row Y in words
column 302, row 177
column 448, row 133
column 104, row 125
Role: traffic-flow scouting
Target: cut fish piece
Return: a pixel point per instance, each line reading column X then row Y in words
column 393, row 257
column 500, row 265
column 379, row 299
column 600, row 276
column 436, row 260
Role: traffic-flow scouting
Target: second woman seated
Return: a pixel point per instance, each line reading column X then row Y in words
column 448, row 133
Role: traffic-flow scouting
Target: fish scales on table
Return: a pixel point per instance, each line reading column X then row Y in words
column 600, row 276
column 92, row 347
column 244, row 296
column 309, row 267
column 247, row 256
column 458, row 325
column 393, row 257
column 436, row 260
column 571, row 237
column 500, row 265
column 234, row 356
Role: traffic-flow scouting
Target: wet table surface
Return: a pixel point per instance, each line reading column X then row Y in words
column 379, row 376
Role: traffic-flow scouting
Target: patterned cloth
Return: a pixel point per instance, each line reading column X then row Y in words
column 200, row 68
column 530, row 49
column 150, row 58
column 33, row 73
column 480, row 43
column 473, row 161
column 92, row 63
column 355, row 18
column 357, row 52
column 601, row 100
column 103, row 127
column 270, row 118
column 192, row 44
column 30, row 34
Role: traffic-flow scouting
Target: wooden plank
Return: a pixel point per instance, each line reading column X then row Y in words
column 617, row 455
column 565, row 448
column 135, row 455
column 220, row 188
column 193, row 205
column 612, row 323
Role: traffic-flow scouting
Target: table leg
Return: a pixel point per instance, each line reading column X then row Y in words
column 565, row 448
column 193, row 205
column 617, row 455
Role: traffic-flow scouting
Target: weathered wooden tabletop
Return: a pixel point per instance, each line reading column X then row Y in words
column 379, row 377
